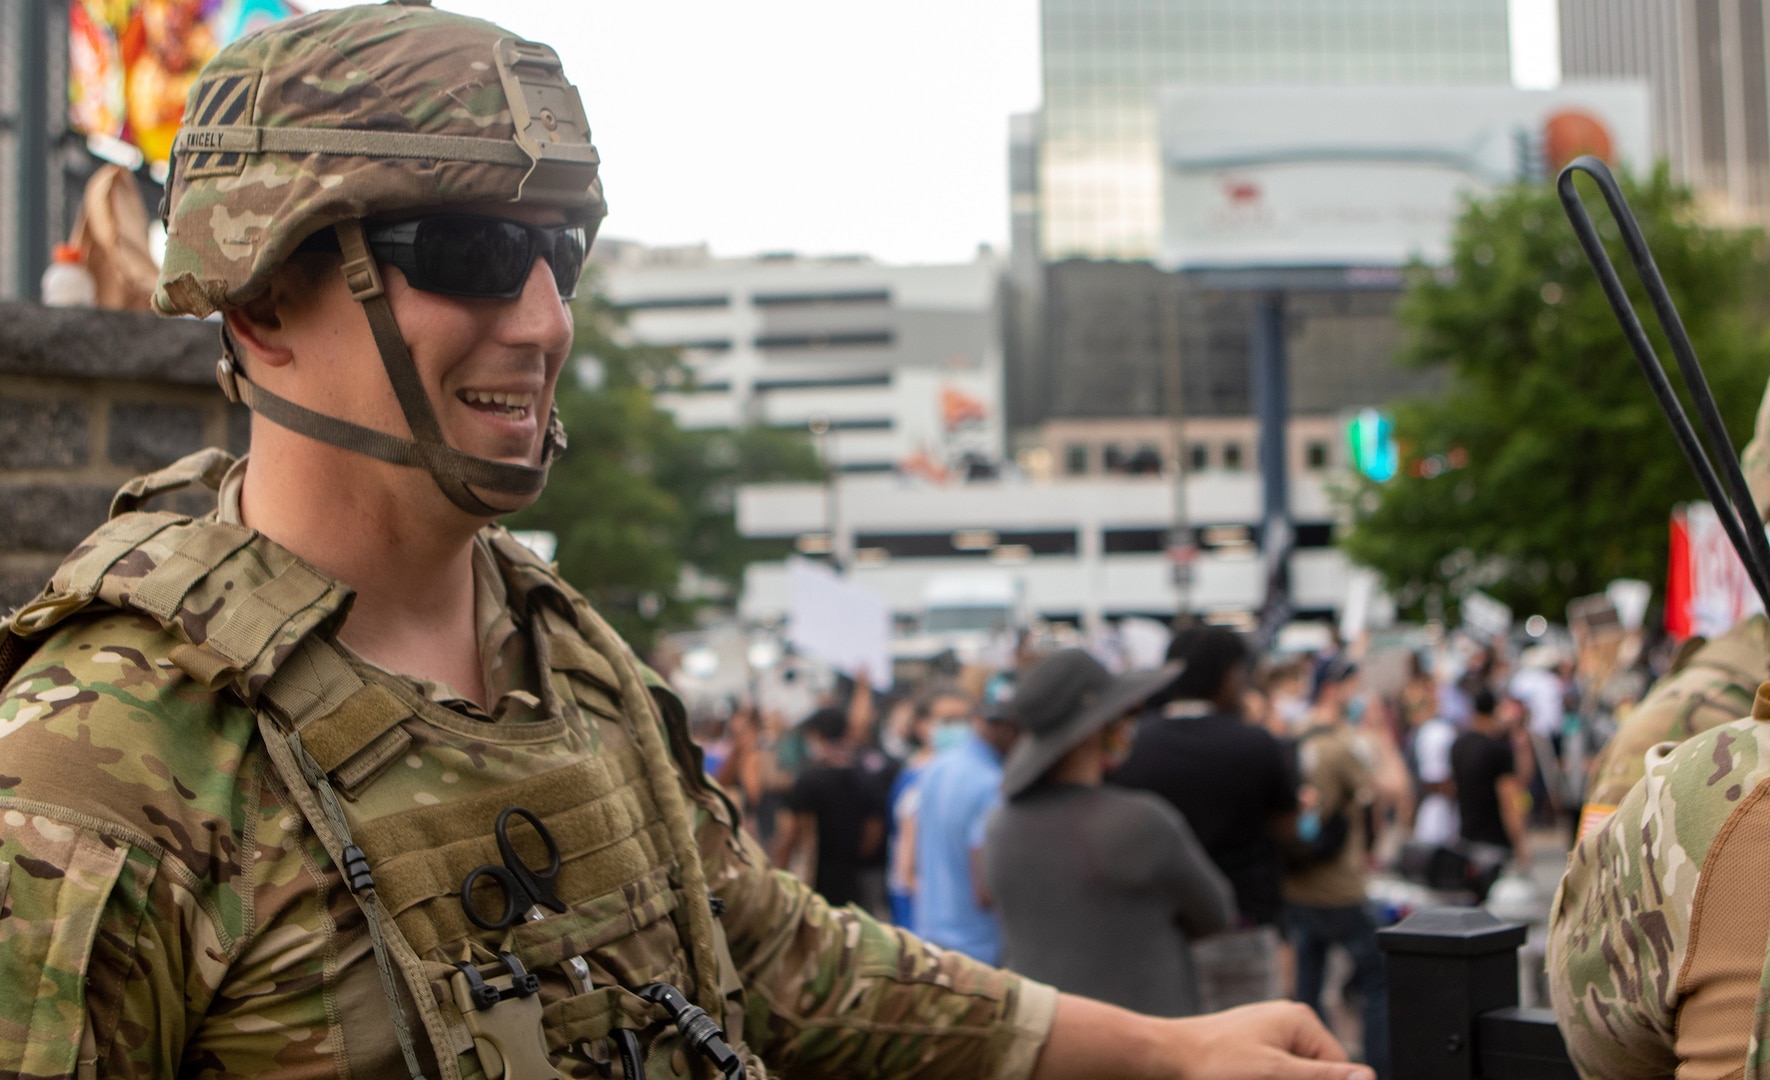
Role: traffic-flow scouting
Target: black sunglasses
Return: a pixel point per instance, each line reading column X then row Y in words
column 469, row 255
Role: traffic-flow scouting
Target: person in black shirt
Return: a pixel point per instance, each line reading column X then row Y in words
column 878, row 769
column 1489, row 788
column 831, row 806
column 1234, row 784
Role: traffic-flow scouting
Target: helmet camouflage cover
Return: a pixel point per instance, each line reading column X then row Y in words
column 354, row 112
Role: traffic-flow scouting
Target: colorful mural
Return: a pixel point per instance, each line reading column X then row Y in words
column 131, row 62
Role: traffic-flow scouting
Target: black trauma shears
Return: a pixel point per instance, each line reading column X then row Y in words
column 525, row 889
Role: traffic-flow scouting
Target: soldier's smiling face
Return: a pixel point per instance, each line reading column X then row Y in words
column 488, row 366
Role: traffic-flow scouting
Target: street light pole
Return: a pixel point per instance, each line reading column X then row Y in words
column 1272, row 406
column 33, row 99
column 1181, row 547
column 822, row 431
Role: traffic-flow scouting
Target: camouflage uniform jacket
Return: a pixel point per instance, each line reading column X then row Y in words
column 1713, row 687
column 1657, row 937
column 166, row 909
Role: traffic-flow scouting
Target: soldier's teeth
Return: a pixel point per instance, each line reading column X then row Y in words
column 491, row 397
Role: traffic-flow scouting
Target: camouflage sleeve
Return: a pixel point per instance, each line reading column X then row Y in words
column 114, row 932
column 831, row 991
column 1620, row 930
column 1715, row 687
column 72, row 901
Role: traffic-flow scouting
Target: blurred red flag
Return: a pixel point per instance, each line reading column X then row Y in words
column 959, row 409
column 1679, row 621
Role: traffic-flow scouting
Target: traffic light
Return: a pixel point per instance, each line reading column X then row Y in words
column 1371, row 437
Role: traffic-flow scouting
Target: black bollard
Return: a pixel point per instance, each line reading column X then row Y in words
column 1446, row 967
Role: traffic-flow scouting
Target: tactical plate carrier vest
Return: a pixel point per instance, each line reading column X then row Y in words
column 403, row 792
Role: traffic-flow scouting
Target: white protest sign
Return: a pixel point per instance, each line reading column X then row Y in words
column 1484, row 616
column 1721, row 592
column 1145, row 642
column 841, row 624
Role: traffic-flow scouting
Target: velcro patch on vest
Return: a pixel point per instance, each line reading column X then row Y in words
column 354, row 726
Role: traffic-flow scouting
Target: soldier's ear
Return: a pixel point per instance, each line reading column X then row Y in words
column 305, row 281
column 258, row 330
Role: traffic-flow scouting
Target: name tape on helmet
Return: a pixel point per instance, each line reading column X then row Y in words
column 240, row 139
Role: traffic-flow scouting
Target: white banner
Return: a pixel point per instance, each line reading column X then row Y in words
column 843, row 625
column 1484, row 616
column 1721, row 591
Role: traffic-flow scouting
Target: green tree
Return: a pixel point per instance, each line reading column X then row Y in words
column 635, row 497
column 1546, row 469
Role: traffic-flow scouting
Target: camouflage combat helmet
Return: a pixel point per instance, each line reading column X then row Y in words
column 337, row 116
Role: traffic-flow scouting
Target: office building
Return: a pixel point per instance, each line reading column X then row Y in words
column 1082, row 549
column 902, row 365
column 1023, row 284
column 1104, row 61
column 1117, row 332
column 1705, row 61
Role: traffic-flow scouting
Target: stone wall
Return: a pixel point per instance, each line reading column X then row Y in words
column 89, row 399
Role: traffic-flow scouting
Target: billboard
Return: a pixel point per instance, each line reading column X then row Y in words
column 1366, row 176
column 131, row 62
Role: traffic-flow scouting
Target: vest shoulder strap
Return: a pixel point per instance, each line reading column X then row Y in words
column 534, row 579
column 237, row 603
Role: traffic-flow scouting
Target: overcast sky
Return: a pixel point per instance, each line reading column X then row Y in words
column 820, row 127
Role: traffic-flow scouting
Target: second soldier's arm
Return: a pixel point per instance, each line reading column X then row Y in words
column 1656, row 935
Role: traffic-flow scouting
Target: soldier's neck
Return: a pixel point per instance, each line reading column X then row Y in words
column 411, row 567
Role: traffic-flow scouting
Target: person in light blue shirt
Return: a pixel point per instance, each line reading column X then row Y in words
column 958, row 790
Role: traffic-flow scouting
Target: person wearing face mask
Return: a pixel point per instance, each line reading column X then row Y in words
column 953, row 907
column 941, row 710
column 1100, row 889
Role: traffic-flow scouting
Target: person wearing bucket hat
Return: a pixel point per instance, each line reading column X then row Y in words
column 1100, row 889
column 255, row 761
column 1068, row 697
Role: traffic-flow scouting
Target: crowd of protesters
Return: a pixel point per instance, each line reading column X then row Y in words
column 1176, row 840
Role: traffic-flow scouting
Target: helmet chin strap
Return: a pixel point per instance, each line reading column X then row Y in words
column 452, row 470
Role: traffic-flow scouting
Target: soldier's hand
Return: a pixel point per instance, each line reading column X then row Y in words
column 1275, row 1040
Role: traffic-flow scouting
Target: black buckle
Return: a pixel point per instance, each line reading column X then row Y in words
column 522, row 983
